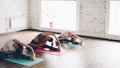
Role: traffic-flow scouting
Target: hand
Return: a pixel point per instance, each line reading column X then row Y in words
column 33, row 57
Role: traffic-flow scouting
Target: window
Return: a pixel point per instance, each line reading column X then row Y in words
column 59, row 15
column 114, row 20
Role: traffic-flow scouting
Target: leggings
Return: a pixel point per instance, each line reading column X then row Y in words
column 3, row 55
column 66, row 41
column 24, row 57
column 49, row 47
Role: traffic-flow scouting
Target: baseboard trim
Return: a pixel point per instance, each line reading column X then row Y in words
column 78, row 35
column 59, row 33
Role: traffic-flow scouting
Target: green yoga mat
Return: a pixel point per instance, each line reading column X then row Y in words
column 24, row 62
column 70, row 44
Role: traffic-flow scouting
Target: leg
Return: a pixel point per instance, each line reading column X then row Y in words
column 51, row 48
column 75, row 42
column 26, row 57
column 65, row 41
column 3, row 55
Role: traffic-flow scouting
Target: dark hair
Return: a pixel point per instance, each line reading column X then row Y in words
column 18, row 52
column 50, row 40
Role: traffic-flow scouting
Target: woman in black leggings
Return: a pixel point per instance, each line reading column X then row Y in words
column 15, row 48
column 40, row 40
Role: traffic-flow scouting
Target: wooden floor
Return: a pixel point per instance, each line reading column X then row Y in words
column 95, row 54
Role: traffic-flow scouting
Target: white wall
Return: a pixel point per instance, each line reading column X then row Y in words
column 10, row 9
column 34, row 14
column 92, row 17
column 3, row 25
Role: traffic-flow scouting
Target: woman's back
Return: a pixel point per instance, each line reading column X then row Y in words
column 9, row 46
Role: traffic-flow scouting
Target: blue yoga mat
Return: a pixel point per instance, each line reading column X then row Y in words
column 70, row 44
column 24, row 61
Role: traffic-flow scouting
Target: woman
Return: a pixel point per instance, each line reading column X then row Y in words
column 70, row 37
column 40, row 41
column 17, row 49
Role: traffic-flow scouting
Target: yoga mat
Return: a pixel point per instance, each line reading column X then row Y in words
column 58, row 53
column 24, row 61
column 70, row 44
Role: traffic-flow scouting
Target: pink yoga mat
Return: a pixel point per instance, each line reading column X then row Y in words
column 58, row 53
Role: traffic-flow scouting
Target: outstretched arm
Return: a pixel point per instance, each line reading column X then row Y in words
column 61, row 37
column 75, row 37
column 52, row 34
column 58, row 42
column 56, row 39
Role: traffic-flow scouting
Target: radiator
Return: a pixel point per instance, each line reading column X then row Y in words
column 3, row 26
column 18, row 23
